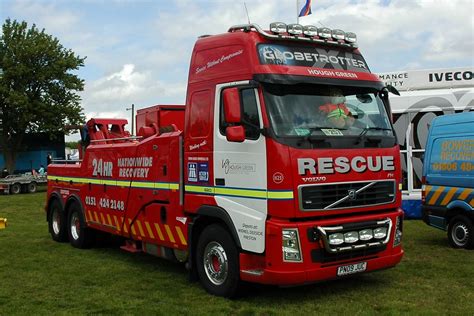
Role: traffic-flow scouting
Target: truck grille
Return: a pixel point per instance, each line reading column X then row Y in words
column 346, row 195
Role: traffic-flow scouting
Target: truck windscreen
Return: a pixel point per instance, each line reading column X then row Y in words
column 341, row 116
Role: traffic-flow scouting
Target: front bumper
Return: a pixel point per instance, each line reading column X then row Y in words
column 318, row 263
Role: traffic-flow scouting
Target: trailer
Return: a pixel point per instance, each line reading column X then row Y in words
column 17, row 183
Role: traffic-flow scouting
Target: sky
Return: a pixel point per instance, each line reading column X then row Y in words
column 139, row 51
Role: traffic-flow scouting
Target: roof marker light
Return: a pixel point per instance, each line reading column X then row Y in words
column 338, row 34
column 324, row 32
column 310, row 30
column 295, row 29
column 351, row 37
column 278, row 27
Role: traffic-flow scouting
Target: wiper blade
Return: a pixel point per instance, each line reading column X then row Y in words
column 369, row 128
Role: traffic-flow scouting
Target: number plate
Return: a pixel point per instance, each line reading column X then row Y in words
column 352, row 268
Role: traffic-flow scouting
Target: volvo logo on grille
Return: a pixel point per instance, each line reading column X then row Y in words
column 352, row 194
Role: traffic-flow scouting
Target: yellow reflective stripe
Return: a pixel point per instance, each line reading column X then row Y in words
column 428, row 189
column 120, row 183
column 436, row 195
column 181, row 236
column 448, row 196
column 170, row 234
column 137, row 184
column 122, row 222
column 140, row 228
column 102, row 218
column 199, row 189
column 109, row 221
column 150, row 232
column 280, row 194
column 158, row 230
column 116, row 223
column 131, row 226
column 241, row 192
column 109, row 182
column 96, row 217
column 90, row 216
column 465, row 194
column 471, row 203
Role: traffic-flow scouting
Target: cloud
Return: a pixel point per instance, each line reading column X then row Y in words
column 111, row 94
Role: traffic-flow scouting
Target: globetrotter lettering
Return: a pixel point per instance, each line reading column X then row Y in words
column 329, row 165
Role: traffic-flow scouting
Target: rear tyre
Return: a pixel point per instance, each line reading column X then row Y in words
column 57, row 222
column 461, row 232
column 15, row 188
column 31, row 187
column 217, row 260
column 79, row 235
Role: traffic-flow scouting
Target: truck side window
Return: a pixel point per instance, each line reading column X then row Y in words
column 250, row 119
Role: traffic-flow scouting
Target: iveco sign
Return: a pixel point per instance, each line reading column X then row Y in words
column 328, row 165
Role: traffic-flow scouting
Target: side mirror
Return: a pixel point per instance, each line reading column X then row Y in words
column 235, row 134
column 232, row 106
column 392, row 89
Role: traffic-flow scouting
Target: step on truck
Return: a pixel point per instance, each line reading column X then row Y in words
column 282, row 168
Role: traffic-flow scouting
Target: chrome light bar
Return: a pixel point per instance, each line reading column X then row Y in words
column 297, row 32
column 338, row 239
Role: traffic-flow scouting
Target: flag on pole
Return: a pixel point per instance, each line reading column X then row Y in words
column 304, row 7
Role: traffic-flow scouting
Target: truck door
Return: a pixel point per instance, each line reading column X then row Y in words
column 240, row 168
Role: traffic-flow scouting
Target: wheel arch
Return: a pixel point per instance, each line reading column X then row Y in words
column 73, row 198
column 52, row 197
column 458, row 208
column 207, row 215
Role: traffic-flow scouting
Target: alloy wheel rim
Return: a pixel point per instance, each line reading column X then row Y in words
column 215, row 263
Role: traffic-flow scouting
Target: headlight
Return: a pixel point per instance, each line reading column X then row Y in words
column 324, row 32
column 338, row 34
column 336, row 239
column 380, row 232
column 310, row 30
column 397, row 240
column 278, row 27
column 351, row 237
column 366, row 234
column 291, row 245
column 295, row 29
column 351, row 37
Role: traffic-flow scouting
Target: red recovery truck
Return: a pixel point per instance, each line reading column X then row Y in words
column 282, row 168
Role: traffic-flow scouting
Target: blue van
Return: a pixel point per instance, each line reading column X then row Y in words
column 448, row 178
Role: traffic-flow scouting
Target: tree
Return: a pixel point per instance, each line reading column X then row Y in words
column 37, row 86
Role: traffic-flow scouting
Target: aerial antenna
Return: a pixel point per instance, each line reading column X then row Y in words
column 247, row 12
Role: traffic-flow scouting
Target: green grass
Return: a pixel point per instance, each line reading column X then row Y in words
column 39, row 276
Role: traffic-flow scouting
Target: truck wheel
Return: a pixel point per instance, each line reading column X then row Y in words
column 79, row 235
column 57, row 222
column 217, row 260
column 461, row 232
column 15, row 188
column 31, row 187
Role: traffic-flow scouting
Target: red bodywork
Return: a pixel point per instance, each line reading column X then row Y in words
column 136, row 188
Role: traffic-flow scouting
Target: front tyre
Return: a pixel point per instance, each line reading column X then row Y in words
column 79, row 235
column 461, row 232
column 57, row 222
column 217, row 260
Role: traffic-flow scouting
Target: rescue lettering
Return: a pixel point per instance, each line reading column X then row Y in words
column 329, row 165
